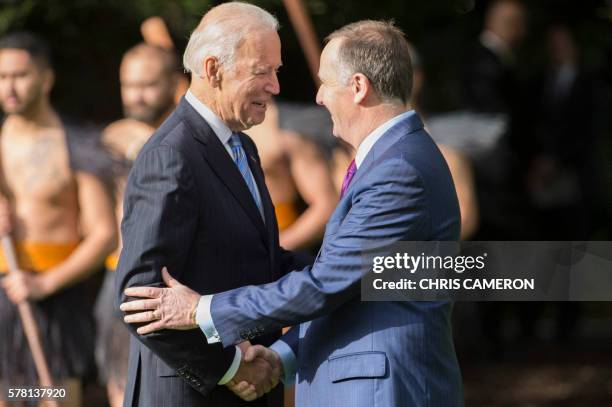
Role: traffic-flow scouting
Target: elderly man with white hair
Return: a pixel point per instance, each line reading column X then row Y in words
column 196, row 201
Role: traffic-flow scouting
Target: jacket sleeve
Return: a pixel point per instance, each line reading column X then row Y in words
column 158, row 229
column 387, row 207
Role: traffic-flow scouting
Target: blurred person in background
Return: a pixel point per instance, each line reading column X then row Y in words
column 155, row 32
column 148, row 75
column 491, row 85
column 563, row 178
column 295, row 169
column 489, row 77
column 56, row 206
column 458, row 161
column 564, row 181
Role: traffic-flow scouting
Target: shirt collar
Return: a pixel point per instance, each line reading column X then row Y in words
column 221, row 129
column 367, row 143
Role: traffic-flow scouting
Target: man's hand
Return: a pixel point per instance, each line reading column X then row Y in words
column 259, row 372
column 169, row 308
column 24, row 285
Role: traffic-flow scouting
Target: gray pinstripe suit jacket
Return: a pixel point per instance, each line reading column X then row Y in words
column 187, row 207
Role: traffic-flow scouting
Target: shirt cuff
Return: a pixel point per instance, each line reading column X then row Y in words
column 231, row 372
column 204, row 320
column 288, row 360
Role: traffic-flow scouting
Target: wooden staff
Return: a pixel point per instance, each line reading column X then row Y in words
column 155, row 32
column 29, row 324
column 302, row 24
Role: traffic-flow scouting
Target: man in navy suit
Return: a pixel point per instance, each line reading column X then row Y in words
column 196, row 201
column 352, row 353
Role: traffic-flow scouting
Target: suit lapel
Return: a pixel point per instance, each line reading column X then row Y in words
column 223, row 165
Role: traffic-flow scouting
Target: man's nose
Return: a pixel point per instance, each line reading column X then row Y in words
column 273, row 86
column 319, row 97
column 8, row 86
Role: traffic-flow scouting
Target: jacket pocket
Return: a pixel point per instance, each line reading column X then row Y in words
column 361, row 365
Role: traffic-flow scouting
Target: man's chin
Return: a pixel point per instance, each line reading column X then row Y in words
column 141, row 117
column 253, row 121
column 13, row 109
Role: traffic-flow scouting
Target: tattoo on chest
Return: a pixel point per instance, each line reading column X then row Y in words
column 40, row 166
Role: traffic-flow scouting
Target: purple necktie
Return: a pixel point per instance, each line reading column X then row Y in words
column 348, row 177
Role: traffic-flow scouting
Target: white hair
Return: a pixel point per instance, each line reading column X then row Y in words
column 221, row 36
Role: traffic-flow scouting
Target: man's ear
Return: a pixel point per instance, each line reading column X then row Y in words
column 211, row 71
column 361, row 87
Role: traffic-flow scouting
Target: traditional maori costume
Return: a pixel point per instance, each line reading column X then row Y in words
column 65, row 319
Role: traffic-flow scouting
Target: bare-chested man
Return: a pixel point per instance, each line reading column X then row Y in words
column 148, row 76
column 59, row 214
column 294, row 168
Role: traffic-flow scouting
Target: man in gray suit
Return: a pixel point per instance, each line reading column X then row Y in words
column 347, row 352
column 196, row 201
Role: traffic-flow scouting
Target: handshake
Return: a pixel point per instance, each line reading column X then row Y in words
column 259, row 372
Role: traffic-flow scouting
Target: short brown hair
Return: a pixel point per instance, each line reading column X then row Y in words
column 167, row 57
column 378, row 50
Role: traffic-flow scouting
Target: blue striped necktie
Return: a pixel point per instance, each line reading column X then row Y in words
column 241, row 161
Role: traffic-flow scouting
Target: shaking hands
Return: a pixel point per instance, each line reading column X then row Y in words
column 259, row 372
column 173, row 307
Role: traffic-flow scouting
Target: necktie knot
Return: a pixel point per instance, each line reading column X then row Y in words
column 234, row 140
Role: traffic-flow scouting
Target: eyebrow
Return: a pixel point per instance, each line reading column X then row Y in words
column 266, row 67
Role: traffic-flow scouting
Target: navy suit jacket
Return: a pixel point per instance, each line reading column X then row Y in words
column 187, row 207
column 355, row 353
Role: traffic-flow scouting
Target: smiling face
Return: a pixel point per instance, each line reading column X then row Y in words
column 336, row 96
column 246, row 87
column 22, row 82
